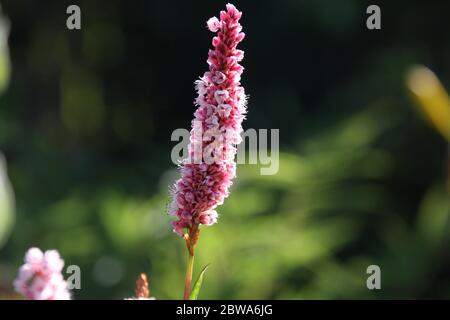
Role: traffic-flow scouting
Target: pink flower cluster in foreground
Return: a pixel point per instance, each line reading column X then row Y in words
column 40, row 276
column 208, row 172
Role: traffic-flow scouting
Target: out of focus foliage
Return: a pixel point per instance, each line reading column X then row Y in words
column 6, row 204
column 6, row 193
column 431, row 98
column 86, row 121
column 5, row 67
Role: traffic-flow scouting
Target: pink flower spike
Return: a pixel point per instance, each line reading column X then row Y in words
column 213, row 24
column 40, row 276
column 221, row 105
column 208, row 218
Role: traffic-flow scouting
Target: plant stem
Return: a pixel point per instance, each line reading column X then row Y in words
column 188, row 279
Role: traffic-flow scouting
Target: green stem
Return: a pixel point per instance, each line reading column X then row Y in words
column 188, row 279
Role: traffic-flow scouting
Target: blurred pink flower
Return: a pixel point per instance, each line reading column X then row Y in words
column 40, row 276
column 142, row 291
column 216, row 128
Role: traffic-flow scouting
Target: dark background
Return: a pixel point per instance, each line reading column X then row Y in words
column 85, row 128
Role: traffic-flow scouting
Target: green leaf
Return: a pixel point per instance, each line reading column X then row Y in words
column 198, row 284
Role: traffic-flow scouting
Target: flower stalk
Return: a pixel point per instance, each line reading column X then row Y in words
column 191, row 239
column 188, row 279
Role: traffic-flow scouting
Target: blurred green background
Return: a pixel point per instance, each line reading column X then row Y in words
column 85, row 125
